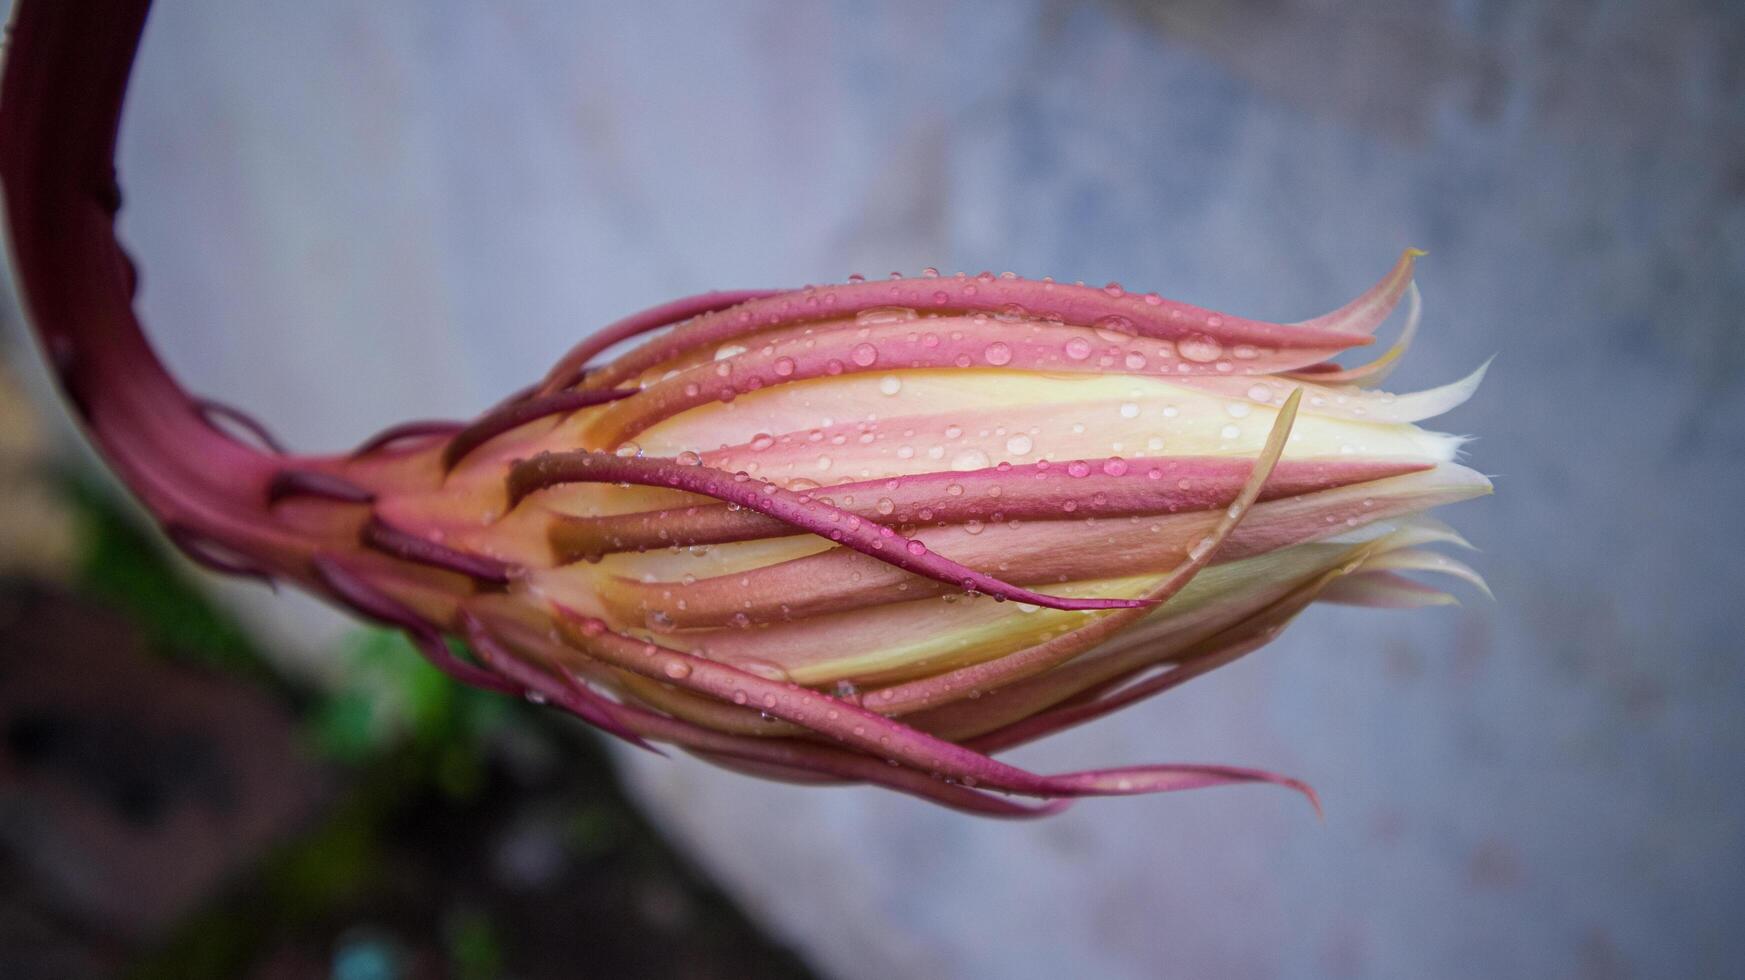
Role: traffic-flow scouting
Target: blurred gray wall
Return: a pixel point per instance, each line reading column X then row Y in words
column 348, row 214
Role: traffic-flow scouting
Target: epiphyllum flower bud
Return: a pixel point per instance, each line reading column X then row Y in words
column 870, row 532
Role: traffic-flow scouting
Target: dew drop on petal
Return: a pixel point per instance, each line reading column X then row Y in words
column 784, row 366
column 970, row 459
column 1019, row 445
column 1114, row 328
column 1129, row 410
column 864, row 354
column 1200, row 348
column 998, row 354
column 1078, row 348
column 678, row 670
column 890, row 384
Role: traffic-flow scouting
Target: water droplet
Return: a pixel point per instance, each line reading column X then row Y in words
column 1230, row 432
column 534, row 697
column 627, row 449
column 915, row 548
column 1114, row 289
column 1260, row 393
column 824, row 462
column 972, row 526
column 1115, row 466
column 1129, row 410
column 728, row 350
column 970, row 459
column 1200, row 348
column 678, row 670
column 885, row 505
column 1114, row 328
column 890, row 384
column 784, row 367
column 1134, row 361
column 1019, row 445
column 1238, row 410
column 856, row 277
column 1078, row 468
column 998, row 354
column 1077, row 348
column 864, row 354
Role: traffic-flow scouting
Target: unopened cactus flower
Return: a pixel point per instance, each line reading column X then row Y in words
column 870, row 532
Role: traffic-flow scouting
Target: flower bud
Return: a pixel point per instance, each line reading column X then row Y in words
column 864, row 533
column 913, row 520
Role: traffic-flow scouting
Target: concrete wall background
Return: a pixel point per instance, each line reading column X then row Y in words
column 351, row 214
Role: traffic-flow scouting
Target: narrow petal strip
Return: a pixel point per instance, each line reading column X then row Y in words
column 1110, row 487
column 841, row 527
column 1020, row 299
